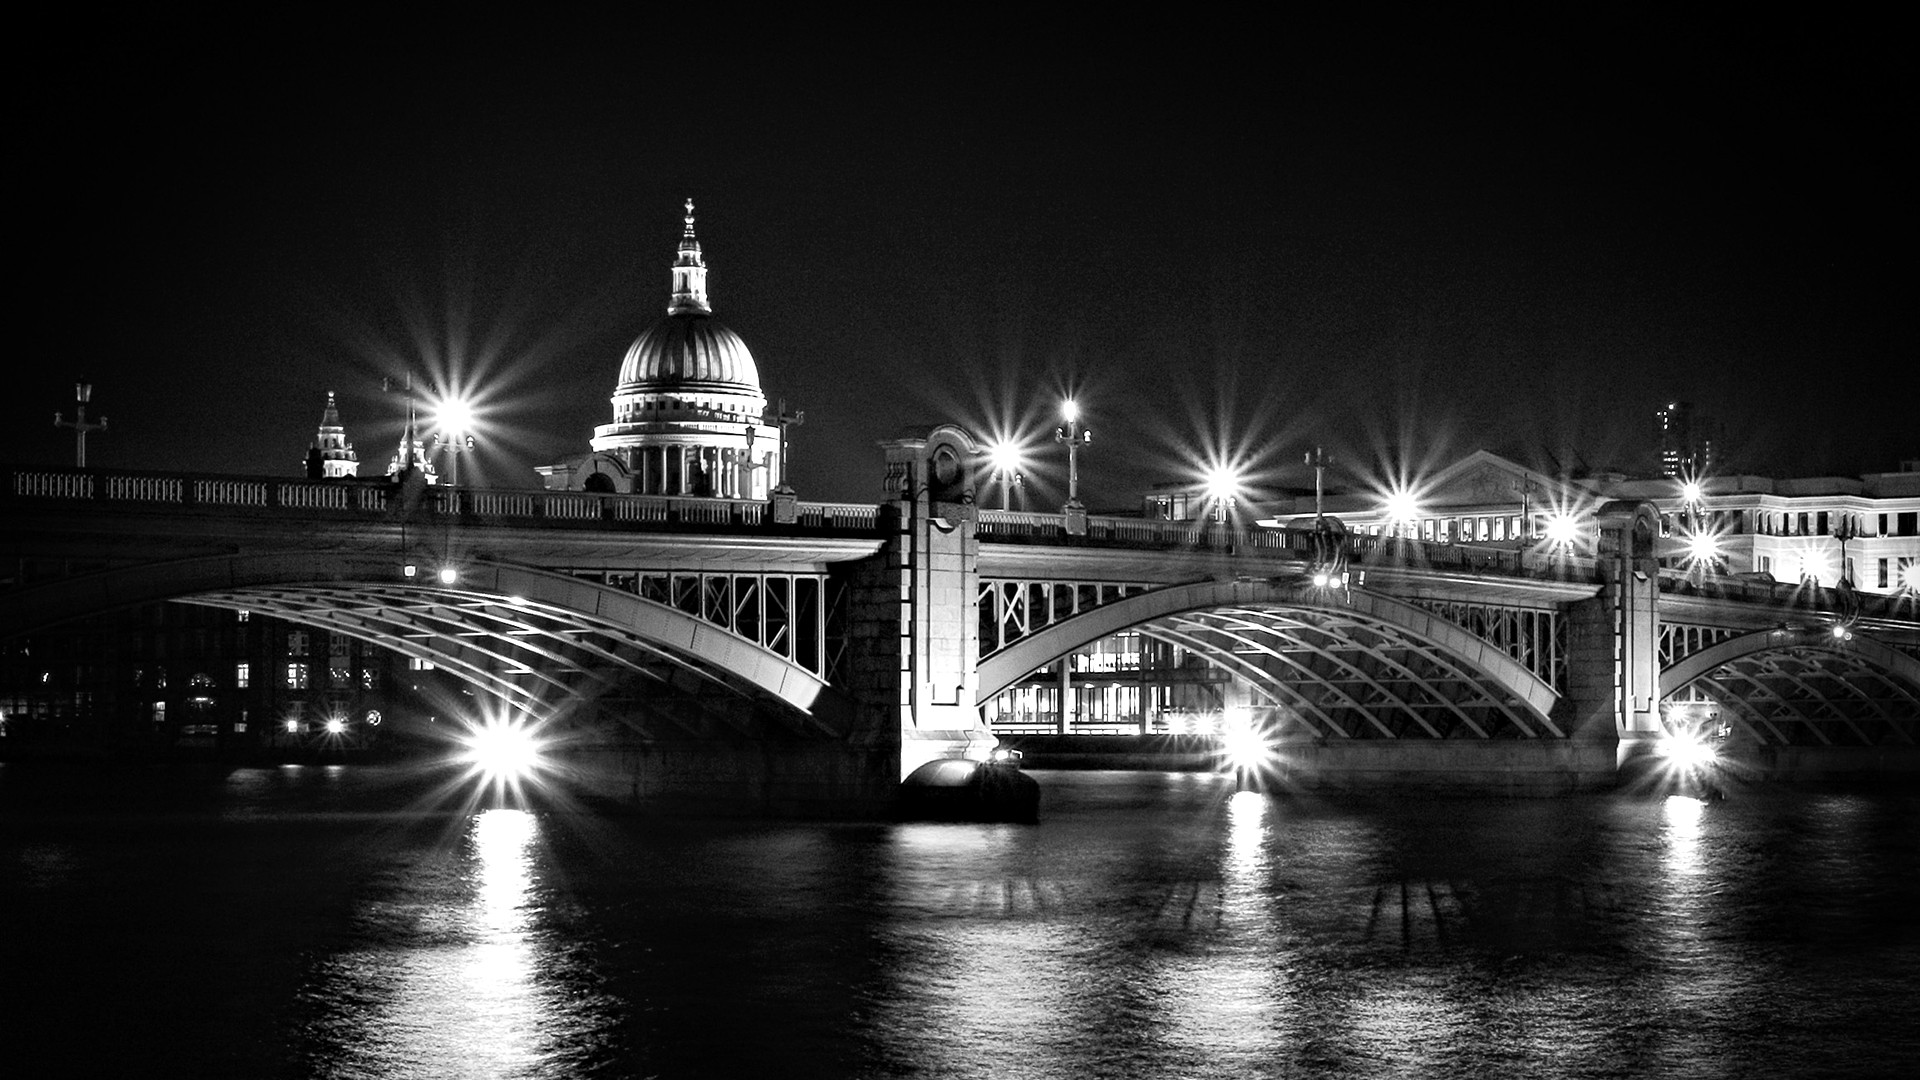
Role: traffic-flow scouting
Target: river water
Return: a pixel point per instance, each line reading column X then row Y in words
column 368, row 922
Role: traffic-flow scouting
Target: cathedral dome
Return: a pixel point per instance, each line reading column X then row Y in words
column 688, row 352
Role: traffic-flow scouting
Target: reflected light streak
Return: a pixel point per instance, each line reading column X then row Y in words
column 460, row 993
column 1225, row 1003
column 1683, row 814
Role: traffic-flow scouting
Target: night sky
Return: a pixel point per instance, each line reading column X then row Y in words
column 1225, row 240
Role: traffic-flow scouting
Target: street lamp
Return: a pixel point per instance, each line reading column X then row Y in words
column 455, row 417
column 1222, row 485
column 1843, row 531
column 1402, row 513
column 1075, row 437
column 1004, row 457
column 82, row 392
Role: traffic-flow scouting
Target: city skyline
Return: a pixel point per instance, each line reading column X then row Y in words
column 1380, row 252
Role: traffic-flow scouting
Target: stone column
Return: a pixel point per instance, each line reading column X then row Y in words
column 916, row 635
column 1617, row 635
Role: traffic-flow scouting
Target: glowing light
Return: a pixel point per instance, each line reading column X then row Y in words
column 409, row 570
column 1910, row 577
column 1242, row 742
column 1005, row 457
column 1841, row 633
column 336, row 726
column 454, row 415
column 1691, row 491
column 1223, row 483
column 448, row 575
column 1687, row 750
column 1069, row 410
column 1703, row 547
column 293, row 727
column 1561, row 529
column 1401, row 506
column 1322, row 579
column 504, row 752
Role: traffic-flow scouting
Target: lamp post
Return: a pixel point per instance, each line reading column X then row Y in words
column 1319, row 460
column 1075, row 437
column 82, row 392
column 1005, row 459
column 1843, row 531
column 454, row 417
column 452, row 446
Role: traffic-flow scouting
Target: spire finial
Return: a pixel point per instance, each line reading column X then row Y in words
column 689, row 275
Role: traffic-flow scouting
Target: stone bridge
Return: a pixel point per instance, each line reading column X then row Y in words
column 807, row 655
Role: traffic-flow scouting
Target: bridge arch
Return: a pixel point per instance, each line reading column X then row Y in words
column 520, row 634
column 1234, row 625
column 1795, row 686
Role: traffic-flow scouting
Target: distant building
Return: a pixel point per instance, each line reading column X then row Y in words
column 689, row 417
column 331, row 456
column 1789, row 530
column 1686, row 441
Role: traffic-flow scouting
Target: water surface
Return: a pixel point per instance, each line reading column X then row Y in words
column 365, row 922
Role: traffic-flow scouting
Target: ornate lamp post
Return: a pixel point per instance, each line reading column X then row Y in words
column 1075, row 437
column 82, row 392
column 455, row 416
column 1843, row 531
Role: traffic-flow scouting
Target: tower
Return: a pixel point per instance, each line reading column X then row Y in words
column 331, row 457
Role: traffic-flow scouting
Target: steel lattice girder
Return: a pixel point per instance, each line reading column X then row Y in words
column 1351, row 652
column 1816, row 691
column 524, row 652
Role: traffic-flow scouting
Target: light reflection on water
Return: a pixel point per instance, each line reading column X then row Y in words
column 453, row 988
column 318, row 924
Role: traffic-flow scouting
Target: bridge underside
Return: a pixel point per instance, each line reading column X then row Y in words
column 1330, row 673
column 1808, row 696
column 1313, row 663
column 545, row 661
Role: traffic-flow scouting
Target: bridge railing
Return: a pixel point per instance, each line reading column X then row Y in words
column 380, row 497
column 1827, row 601
column 1026, row 527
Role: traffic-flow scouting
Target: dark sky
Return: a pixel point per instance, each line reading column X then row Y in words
column 1224, row 239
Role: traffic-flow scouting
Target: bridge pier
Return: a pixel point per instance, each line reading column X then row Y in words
column 915, row 636
column 763, row 778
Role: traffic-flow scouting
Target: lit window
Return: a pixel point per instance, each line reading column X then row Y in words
column 242, row 616
column 296, row 676
column 369, row 679
column 159, row 712
column 417, row 664
column 296, row 643
column 242, row 673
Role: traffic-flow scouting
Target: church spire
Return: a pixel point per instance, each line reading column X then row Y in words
column 689, row 275
column 331, row 456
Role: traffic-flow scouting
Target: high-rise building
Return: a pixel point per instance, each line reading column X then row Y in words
column 1685, row 440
